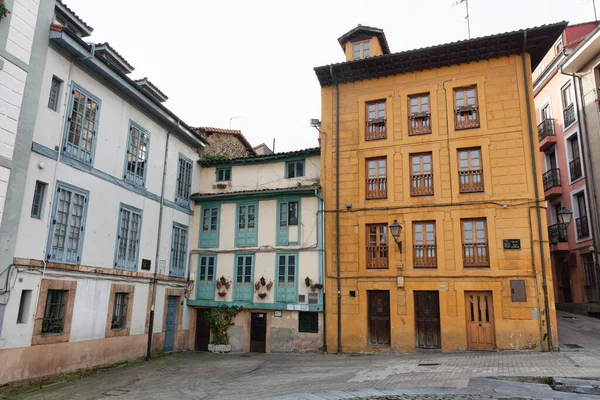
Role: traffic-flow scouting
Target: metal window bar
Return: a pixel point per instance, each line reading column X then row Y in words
column 569, row 114
column 582, row 227
column 38, row 197
column 137, row 156
column 421, row 185
column 425, row 256
column 119, row 317
column 575, row 168
column 471, row 181
column 557, row 233
column 54, row 94
column 376, row 188
column 476, row 255
column 551, row 178
column 546, row 128
column 54, row 312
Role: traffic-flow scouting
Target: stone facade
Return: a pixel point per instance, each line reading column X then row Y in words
column 230, row 143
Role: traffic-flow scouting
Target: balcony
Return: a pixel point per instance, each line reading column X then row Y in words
column 470, row 181
column 377, row 256
column 424, row 256
column 466, row 118
column 546, row 134
column 421, row 185
column 582, row 227
column 575, row 168
column 552, row 187
column 376, row 188
column 569, row 114
column 419, row 124
column 375, row 129
column 476, row 255
column 559, row 241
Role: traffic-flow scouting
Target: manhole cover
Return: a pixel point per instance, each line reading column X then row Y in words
column 115, row 392
column 573, row 346
column 428, row 364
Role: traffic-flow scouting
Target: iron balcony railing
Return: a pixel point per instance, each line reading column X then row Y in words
column 476, row 255
column 424, row 256
column 377, row 256
column 557, row 233
column 546, row 128
column 421, row 185
column 376, row 188
column 569, row 114
column 551, row 178
column 575, row 168
column 583, row 230
column 52, row 326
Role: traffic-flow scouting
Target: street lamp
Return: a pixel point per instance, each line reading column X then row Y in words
column 395, row 229
column 565, row 216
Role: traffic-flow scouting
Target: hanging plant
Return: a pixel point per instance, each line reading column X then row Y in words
column 262, row 295
column 257, row 286
column 308, row 281
column 313, row 288
column 223, row 280
column 218, row 285
column 4, row 11
column 222, row 294
column 263, row 281
column 319, row 285
column 269, row 285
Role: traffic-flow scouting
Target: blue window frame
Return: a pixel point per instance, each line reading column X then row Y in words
column 288, row 222
column 82, row 125
column 294, row 169
column 178, row 250
column 209, row 225
column 246, row 232
column 128, row 238
column 207, row 265
column 136, row 159
column 38, row 199
column 223, row 174
column 244, row 281
column 286, row 290
column 67, row 227
column 184, row 181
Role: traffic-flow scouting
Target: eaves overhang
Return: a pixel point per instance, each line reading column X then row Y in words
column 582, row 54
column 304, row 190
column 83, row 55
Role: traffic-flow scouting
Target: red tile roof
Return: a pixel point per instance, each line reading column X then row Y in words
column 152, row 85
column 107, row 45
column 75, row 15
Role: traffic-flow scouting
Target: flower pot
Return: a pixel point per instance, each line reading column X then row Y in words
column 262, row 295
column 218, row 285
column 223, row 280
column 319, row 285
column 219, row 348
column 227, row 285
column 269, row 285
column 313, row 288
column 307, row 281
column 263, row 281
column 221, row 185
column 222, row 294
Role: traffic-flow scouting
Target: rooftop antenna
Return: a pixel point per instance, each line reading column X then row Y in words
column 232, row 118
column 595, row 15
column 457, row 2
column 273, row 149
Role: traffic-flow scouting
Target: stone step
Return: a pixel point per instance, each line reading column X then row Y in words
column 582, row 386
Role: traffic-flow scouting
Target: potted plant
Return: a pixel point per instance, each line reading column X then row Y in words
column 218, row 285
column 222, row 293
column 313, row 288
column 262, row 295
column 319, row 285
column 219, row 319
column 257, row 286
column 269, row 285
column 3, row 10
column 308, row 281
column 221, row 185
column 263, row 281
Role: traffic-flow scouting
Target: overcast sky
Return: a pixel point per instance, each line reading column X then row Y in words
column 254, row 59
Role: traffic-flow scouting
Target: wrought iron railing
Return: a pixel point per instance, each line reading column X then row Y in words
column 583, row 229
column 569, row 114
column 557, row 233
column 466, row 117
column 551, row 178
column 546, row 128
column 419, row 124
column 575, row 168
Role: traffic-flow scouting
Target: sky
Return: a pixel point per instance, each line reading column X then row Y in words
column 253, row 60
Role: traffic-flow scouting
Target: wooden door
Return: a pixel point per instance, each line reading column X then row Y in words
column 258, row 332
column 481, row 334
column 170, row 323
column 427, row 319
column 202, row 331
column 379, row 317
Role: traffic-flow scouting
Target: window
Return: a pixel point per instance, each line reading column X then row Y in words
column 308, row 322
column 377, row 247
column 119, row 316
column 475, row 243
column 137, row 155
column 82, row 126
column 376, row 178
column 68, row 224
column 128, row 238
column 546, row 112
column 24, row 305
column 38, row 199
column 209, row 233
column 54, row 97
column 294, row 169
column 376, row 120
column 575, row 158
column 466, row 110
column 419, row 121
column 179, row 240
column 286, row 278
column 223, row 174
column 424, row 249
column 546, row 127
column 558, row 47
column 246, row 234
column 581, row 222
column 206, row 277
column 568, row 105
column 470, row 172
column 288, row 232
column 244, row 285
column 184, row 181
column 421, row 175
column 54, row 312
column 361, row 50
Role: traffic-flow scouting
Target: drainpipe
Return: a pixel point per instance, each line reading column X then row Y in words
column 155, row 278
column 590, row 185
column 534, row 152
column 337, row 210
column 321, row 250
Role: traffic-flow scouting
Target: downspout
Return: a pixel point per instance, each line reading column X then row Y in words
column 534, row 152
column 321, row 251
column 155, row 278
column 337, row 211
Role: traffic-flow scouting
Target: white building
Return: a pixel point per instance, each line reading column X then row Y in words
column 259, row 226
column 105, row 206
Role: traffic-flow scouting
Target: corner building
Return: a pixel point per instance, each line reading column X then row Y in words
column 440, row 140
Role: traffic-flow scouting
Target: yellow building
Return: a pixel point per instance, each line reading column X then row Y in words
column 441, row 140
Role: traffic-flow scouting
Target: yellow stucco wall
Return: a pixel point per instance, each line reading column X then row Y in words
column 508, row 177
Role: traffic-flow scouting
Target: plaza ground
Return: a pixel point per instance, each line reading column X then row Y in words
column 194, row 375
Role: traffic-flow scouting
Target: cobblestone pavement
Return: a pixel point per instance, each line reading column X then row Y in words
column 194, row 375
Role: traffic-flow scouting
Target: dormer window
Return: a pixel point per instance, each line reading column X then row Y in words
column 361, row 49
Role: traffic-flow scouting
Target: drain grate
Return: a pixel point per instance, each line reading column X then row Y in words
column 116, row 392
column 428, row 364
column 573, row 346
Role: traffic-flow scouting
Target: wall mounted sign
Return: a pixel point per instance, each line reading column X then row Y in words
column 278, row 313
column 511, row 244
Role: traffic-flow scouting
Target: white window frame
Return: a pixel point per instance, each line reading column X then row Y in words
column 568, row 154
column 577, row 214
column 568, row 81
column 130, row 261
column 133, row 177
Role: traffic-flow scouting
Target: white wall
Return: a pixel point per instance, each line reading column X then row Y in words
column 22, row 27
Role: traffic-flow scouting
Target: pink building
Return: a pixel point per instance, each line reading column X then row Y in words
column 564, row 175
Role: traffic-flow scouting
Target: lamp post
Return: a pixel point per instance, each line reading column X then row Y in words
column 565, row 216
column 395, row 230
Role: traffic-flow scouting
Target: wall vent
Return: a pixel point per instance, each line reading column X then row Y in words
column 301, row 298
column 313, row 298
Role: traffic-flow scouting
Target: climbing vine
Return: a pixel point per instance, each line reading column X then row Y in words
column 219, row 319
column 4, row 11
